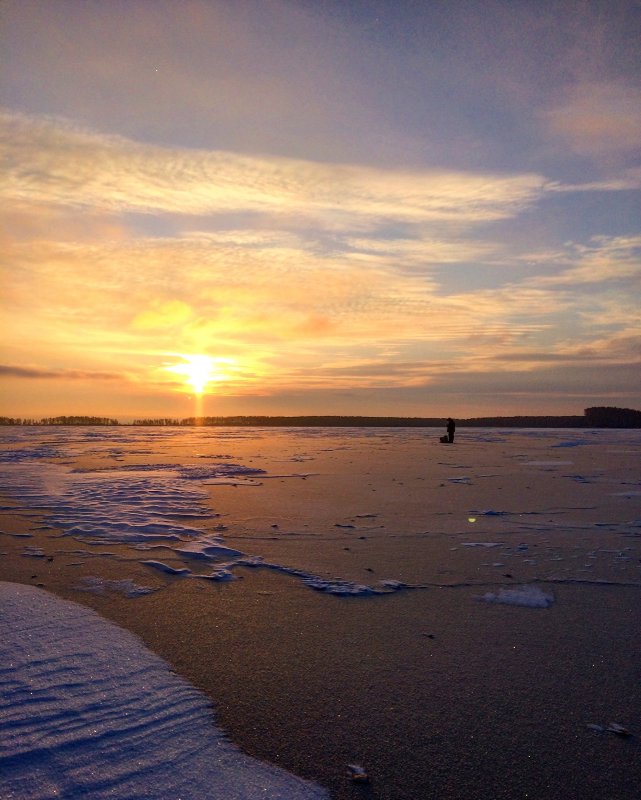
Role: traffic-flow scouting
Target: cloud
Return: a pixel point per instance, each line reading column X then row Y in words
column 163, row 314
column 307, row 275
column 619, row 349
column 40, row 373
column 598, row 118
column 194, row 293
column 603, row 260
column 291, row 316
column 627, row 180
column 56, row 163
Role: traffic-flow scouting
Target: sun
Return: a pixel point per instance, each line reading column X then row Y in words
column 198, row 371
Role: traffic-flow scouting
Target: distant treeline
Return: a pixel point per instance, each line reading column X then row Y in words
column 368, row 422
column 59, row 421
column 596, row 417
column 610, row 417
column 298, row 422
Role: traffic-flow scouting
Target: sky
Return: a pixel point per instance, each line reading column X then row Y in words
column 319, row 207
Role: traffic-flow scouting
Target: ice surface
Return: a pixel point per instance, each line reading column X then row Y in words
column 541, row 521
column 147, row 506
column 29, row 454
column 88, row 712
column 171, row 505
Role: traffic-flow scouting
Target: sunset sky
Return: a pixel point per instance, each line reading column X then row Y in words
column 320, row 206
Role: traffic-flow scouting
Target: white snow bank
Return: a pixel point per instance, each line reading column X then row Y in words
column 88, row 711
column 530, row 596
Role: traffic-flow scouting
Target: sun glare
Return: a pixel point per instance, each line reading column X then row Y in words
column 199, row 371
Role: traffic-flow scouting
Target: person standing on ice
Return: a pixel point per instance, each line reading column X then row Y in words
column 451, row 427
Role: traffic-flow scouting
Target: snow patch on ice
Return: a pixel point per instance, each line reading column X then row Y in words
column 336, row 586
column 166, row 568
column 89, row 711
column 126, row 587
column 206, row 550
column 222, row 574
column 547, row 463
column 217, row 471
column 33, row 552
column 482, row 544
column 528, row 596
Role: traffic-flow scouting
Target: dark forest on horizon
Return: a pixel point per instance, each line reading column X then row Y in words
column 595, row 417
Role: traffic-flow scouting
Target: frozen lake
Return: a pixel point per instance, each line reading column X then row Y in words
column 289, row 499
column 514, row 533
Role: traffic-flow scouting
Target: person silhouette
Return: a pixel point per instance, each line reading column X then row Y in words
column 451, row 427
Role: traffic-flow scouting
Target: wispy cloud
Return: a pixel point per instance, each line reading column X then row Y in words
column 622, row 181
column 602, row 260
column 39, row 373
column 54, row 162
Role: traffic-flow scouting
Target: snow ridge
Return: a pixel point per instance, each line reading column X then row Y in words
column 88, row 711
